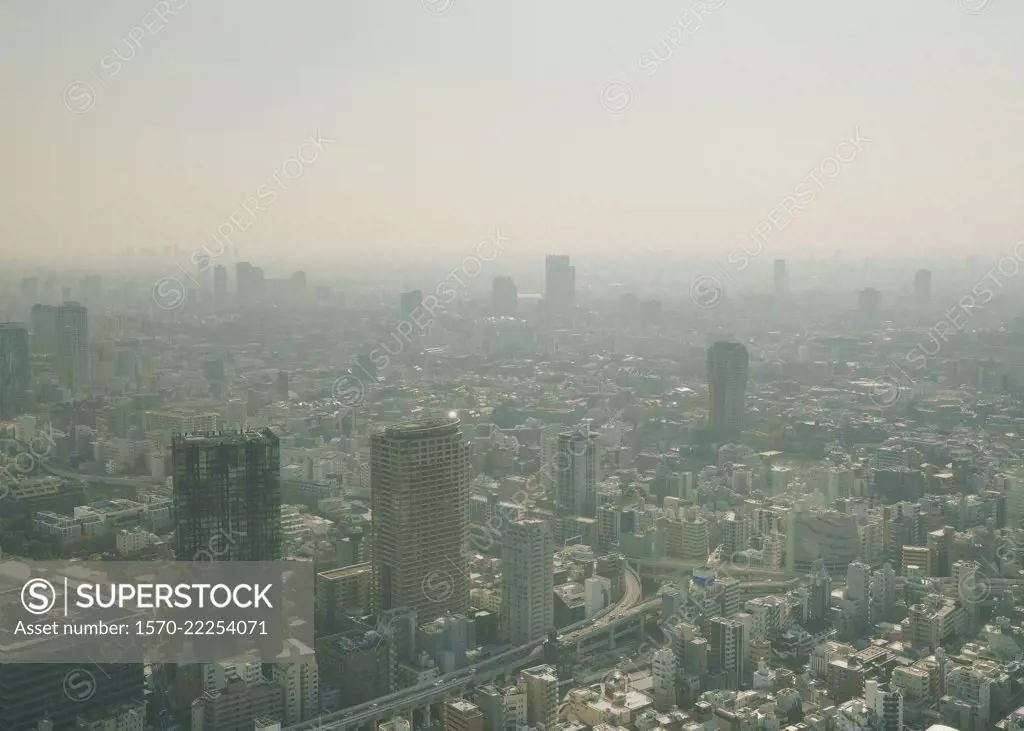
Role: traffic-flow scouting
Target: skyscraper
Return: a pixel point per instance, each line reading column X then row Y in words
column 73, row 346
column 204, row 271
column 727, row 641
column 15, row 375
column 504, row 297
column 420, row 474
column 819, row 584
column 227, row 496
column 410, row 302
column 30, row 692
column 576, row 464
column 559, row 283
column 299, row 287
column 527, row 565
column 780, row 277
column 728, row 366
column 220, row 285
column 44, row 329
column 923, row 288
column 29, row 290
column 868, row 302
column 249, row 282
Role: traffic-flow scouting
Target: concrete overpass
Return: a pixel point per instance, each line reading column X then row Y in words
column 419, row 700
column 671, row 569
column 125, row 480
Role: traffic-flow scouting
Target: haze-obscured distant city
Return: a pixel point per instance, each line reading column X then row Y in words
column 438, row 366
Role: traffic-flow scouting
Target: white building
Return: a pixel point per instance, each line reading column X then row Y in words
column 576, row 468
column 886, row 703
column 132, row 542
column 663, row 667
column 597, row 592
column 527, row 604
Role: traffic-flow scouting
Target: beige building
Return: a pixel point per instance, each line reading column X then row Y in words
column 461, row 715
column 420, row 475
column 541, row 685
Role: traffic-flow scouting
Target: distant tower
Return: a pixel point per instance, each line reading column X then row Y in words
column 220, row 284
column 868, row 302
column 923, row 288
column 559, row 283
column 728, row 367
column 577, row 467
column 504, row 297
column 227, row 494
column 527, row 565
column 281, row 385
column 420, row 474
column 44, row 329
column 409, row 304
column 299, row 286
column 780, row 278
column 73, row 346
column 204, row 271
column 29, row 290
column 249, row 282
column 15, row 374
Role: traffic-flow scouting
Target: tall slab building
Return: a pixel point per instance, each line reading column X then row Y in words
column 528, row 575
column 15, row 374
column 420, row 474
column 73, row 346
column 728, row 367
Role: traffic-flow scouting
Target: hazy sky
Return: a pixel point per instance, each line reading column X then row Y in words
column 448, row 121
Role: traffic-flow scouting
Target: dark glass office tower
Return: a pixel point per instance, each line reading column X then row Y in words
column 227, row 496
column 14, row 369
column 31, row 692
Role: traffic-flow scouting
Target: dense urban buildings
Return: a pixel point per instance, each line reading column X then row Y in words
column 521, row 391
column 537, row 527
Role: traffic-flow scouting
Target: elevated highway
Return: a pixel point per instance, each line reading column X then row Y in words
column 671, row 569
column 419, row 699
column 126, row 480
